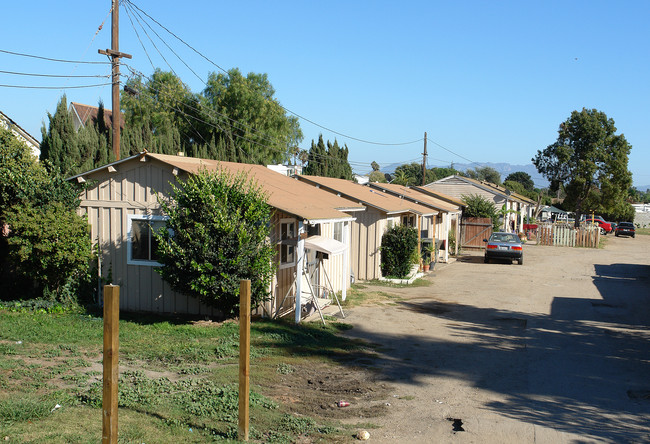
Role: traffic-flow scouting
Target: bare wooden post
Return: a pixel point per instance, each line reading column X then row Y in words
column 111, row 370
column 244, row 356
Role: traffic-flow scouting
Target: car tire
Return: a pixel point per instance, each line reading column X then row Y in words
column 603, row 232
column 486, row 260
column 520, row 261
column 616, row 235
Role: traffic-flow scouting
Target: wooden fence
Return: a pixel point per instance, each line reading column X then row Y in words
column 473, row 230
column 563, row 235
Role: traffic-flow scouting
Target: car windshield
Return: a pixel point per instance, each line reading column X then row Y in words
column 504, row 237
column 626, row 224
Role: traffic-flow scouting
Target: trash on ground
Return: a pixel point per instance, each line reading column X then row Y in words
column 363, row 435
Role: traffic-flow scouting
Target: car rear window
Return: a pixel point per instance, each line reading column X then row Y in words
column 504, row 237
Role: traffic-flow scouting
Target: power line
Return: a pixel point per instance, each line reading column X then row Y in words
column 52, row 60
column 165, row 43
column 284, row 108
column 452, row 152
column 174, row 35
column 53, row 75
column 54, row 87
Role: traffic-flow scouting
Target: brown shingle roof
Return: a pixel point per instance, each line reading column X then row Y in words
column 284, row 193
column 419, row 196
column 367, row 196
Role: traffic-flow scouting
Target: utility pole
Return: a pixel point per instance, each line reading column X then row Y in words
column 424, row 160
column 115, row 55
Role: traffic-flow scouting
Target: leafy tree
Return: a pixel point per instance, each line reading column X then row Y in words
column 245, row 115
column 438, row 173
column 235, row 118
column 377, row 176
column 401, row 177
column 408, row 174
column 589, row 160
column 24, row 180
column 398, row 251
column 485, row 173
column 217, row 234
column 479, row 206
column 411, row 174
column 42, row 240
column 523, row 178
column 375, row 166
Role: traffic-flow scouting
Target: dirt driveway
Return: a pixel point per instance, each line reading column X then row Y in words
column 554, row 351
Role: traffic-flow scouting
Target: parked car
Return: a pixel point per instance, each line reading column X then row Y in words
column 504, row 246
column 605, row 227
column 625, row 229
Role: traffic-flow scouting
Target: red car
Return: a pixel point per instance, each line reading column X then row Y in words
column 605, row 227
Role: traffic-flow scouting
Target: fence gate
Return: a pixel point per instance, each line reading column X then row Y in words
column 473, row 230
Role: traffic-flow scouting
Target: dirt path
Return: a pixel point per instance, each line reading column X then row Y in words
column 554, row 351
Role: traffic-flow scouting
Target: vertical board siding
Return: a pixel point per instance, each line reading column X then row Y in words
column 366, row 232
column 131, row 190
column 474, row 230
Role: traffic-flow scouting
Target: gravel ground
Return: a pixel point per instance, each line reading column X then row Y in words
column 554, row 351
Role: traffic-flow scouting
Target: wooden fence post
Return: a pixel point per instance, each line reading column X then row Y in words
column 244, row 356
column 111, row 370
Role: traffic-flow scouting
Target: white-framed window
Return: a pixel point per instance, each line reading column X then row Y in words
column 338, row 231
column 288, row 238
column 141, row 245
column 409, row 221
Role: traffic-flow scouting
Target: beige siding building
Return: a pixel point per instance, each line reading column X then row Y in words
column 519, row 207
column 447, row 220
column 122, row 203
column 383, row 210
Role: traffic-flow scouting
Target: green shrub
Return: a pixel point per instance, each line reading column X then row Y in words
column 51, row 246
column 398, row 251
column 38, row 207
column 217, row 234
column 479, row 206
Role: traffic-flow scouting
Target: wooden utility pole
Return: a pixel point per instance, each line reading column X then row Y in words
column 115, row 54
column 111, row 368
column 424, row 160
column 244, row 357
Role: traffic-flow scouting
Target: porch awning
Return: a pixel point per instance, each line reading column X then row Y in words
column 325, row 245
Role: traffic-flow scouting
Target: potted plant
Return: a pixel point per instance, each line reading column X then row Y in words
column 427, row 257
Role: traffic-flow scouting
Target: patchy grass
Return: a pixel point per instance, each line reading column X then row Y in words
column 378, row 292
column 642, row 231
column 178, row 380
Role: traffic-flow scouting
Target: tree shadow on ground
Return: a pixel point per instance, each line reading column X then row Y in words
column 582, row 369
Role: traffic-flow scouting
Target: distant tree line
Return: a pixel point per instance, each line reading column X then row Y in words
column 235, row 118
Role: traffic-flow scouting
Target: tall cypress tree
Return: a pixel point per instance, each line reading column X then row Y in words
column 59, row 145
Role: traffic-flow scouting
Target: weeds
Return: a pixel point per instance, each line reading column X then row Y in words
column 56, row 352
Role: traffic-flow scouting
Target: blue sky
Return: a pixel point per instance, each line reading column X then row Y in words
column 488, row 81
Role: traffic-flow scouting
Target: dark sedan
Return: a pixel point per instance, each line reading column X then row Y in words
column 625, row 229
column 504, row 246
